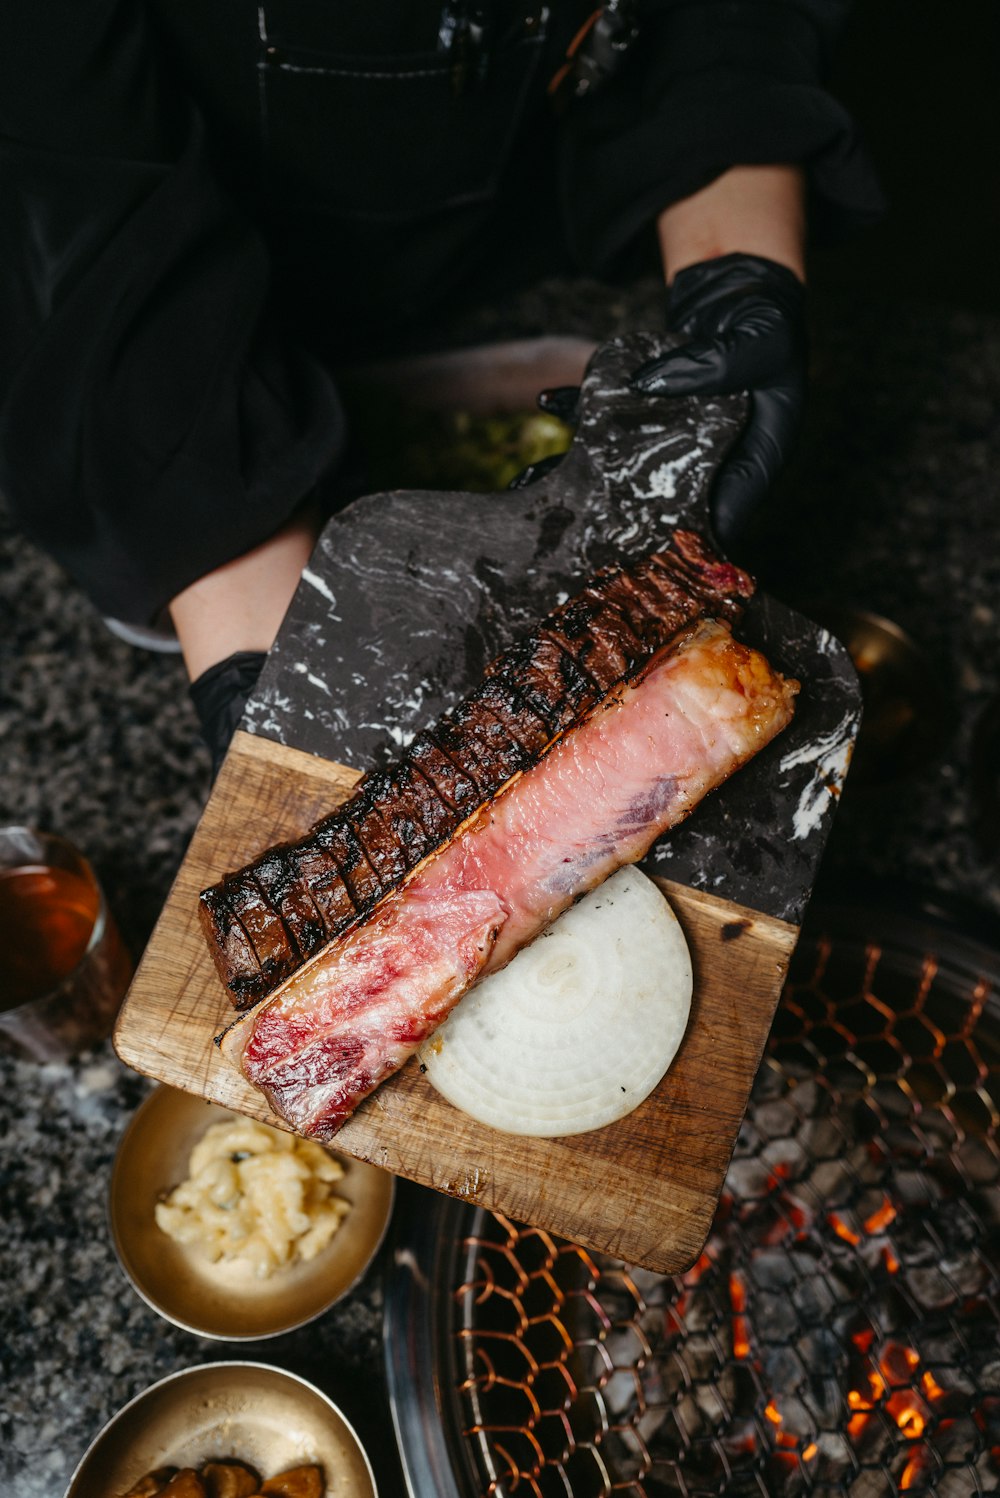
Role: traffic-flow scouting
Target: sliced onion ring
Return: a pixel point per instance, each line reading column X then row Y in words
column 580, row 1026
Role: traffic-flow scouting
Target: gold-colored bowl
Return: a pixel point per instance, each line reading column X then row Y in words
column 906, row 715
column 263, row 1416
column 225, row 1300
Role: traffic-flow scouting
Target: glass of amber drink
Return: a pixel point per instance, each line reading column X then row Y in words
column 63, row 966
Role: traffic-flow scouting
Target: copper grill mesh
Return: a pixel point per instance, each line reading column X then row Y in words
column 840, row 1333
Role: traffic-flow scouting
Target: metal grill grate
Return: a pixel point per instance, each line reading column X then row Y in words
column 840, row 1333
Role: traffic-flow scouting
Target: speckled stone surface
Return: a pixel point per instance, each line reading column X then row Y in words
column 892, row 504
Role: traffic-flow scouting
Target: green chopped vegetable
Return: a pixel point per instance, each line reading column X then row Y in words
column 414, row 449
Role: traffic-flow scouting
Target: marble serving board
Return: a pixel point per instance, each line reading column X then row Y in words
column 406, row 598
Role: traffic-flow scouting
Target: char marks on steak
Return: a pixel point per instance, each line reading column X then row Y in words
column 265, row 920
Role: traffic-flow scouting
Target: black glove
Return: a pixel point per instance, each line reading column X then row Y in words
column 746, row 321
column 535, row 471
column 563, row 402
column 220, row 695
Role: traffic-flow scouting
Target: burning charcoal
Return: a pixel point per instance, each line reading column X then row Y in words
column 784, row 1372
column 816, row 1299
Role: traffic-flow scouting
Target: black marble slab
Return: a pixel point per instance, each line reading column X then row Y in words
column 410, row 593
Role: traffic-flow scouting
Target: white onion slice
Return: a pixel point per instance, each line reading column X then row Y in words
column 580, row 1026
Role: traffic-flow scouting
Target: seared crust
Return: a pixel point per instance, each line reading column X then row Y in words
column 314, row 867
column 451, row 785
column 283, row 889
column 248, row 934
column 265, row 920
column 336, row 836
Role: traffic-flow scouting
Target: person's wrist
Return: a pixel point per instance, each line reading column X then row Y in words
column 752, row 210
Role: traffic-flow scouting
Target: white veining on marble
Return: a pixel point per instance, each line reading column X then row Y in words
column 830, row 757
column 663, row 480
column 826, row 643
column 320, row 584
column 399, row 736
column 316, row 681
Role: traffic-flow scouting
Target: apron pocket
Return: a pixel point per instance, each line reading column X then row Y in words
column 389, row 138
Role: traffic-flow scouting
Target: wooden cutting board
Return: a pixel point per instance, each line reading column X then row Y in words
column 644, row 1189
column 406, row 597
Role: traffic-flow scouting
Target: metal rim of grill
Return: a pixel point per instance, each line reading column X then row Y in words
column 839, row 1334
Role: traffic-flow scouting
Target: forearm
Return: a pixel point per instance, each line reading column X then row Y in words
column 240, row 605
column 751, row 210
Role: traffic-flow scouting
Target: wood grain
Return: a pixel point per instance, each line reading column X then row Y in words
column 644, row 1189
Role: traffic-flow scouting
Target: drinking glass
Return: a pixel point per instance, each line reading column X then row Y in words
column 63, row 966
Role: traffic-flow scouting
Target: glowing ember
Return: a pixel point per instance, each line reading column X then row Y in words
column 898, row 1363
column 741, row 1333
column 906, row 1410
column 782, row 1437
column 881, row 1218
column 911, row 1472
column 897, row 1367
column 843, row 1230
column 674, row 1319
column 696, row 1271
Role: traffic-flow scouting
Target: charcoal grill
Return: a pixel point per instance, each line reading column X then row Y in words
column 840, row 1332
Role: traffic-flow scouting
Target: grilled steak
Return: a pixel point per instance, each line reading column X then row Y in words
column 634, row 763
column 265, row 920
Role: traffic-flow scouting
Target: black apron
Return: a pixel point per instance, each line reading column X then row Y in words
column 399, row 157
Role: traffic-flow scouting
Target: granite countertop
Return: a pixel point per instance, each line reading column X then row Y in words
column 891, row 505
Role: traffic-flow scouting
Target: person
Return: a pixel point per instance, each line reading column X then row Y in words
column 209, row 209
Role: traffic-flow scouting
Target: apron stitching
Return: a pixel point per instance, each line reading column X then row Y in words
column 296, row 67
column 262, row 93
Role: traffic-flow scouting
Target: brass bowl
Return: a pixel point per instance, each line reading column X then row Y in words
column 225, row 1300
column 263, row 1416
column 906, row 715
